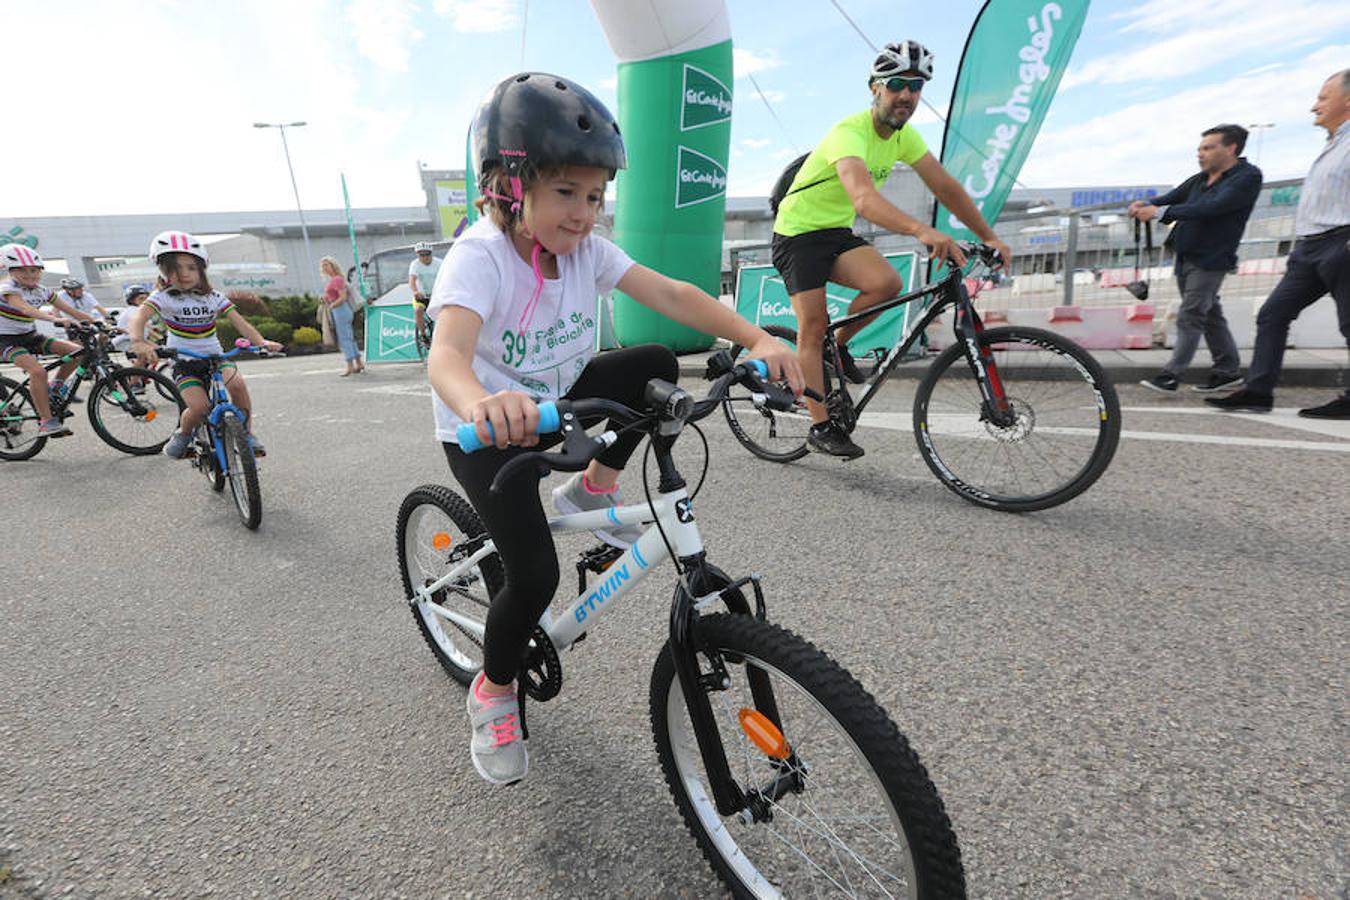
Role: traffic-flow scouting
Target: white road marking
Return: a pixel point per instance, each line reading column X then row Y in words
column 903, row 422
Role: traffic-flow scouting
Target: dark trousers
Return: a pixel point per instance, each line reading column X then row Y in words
column 515, row 518
column 1315, row 267
column 1201, row 315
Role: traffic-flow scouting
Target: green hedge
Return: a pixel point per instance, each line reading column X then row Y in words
column 285, row 316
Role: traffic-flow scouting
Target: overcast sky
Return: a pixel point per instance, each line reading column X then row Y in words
column 148, row 106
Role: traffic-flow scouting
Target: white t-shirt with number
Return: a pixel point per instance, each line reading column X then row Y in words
column 540, row 354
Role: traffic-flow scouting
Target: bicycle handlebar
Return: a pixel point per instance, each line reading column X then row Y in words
column 668, row 405
column 467, row 432
column 172, row 352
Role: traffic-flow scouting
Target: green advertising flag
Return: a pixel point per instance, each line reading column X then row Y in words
column 1014, row 58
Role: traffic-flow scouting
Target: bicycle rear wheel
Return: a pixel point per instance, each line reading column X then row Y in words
column 861, row 815
column 1066, row 427
column 19, row 422
column 206, row 460
column 436, row 529
column 775, row 436
column 135, row 410
column 243, row 471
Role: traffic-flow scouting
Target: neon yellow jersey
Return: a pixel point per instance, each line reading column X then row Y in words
column 827, row 205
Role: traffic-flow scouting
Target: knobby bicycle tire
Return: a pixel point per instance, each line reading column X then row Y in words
column 865, row 802
column 774, row 436
column 113, row 401
column 243, row 474
column 1065, row 433
column 19, row 422
column 433, row 522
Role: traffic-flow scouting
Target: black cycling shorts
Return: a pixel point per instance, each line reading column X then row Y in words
column 12, row 346
column 805, row 260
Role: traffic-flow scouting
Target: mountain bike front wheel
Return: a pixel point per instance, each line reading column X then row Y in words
column 19, row 422
column 1063, row 431
column 436, row 529
column 859, row 815
column 775, row 436
column 135, row 410
column 243, row 471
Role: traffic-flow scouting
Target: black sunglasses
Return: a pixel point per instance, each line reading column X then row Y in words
column 896, row 84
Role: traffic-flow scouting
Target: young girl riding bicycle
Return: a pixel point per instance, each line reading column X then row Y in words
column 189, row 307
column 514, row 305
column 21, row 295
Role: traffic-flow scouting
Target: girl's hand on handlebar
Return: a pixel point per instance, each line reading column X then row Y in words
column 781, row 360
column 272, row 346
column 941, row 247
column 514, row 418
column 145, row 354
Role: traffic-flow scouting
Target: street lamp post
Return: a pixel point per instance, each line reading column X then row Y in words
column 1259, row 128
column 304, row 229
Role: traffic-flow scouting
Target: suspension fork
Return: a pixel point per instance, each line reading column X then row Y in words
column 969, row 329
column 696, row 685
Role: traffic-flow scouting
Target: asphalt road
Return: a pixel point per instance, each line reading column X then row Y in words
column 1138, row 694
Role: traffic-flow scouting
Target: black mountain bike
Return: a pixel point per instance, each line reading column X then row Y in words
column 1009, row 418
column 132, row 409
column 790, row 776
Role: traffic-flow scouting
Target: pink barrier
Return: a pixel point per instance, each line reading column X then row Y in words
column 1094, row 327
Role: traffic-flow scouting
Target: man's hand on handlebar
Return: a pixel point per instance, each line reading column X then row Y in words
column 514, row 417
column 941, row 247
column 1004, row 253
column 781, row 360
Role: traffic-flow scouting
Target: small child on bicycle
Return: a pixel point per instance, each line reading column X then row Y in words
column 515, row 312
column 189, row 307
column 21, row 296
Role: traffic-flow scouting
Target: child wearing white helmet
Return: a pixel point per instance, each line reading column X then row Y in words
column 514, row 306
column 21, row 296
column 189, row 307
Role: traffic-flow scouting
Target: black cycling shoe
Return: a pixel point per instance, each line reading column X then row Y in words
column 829, row 438
column 850, row 368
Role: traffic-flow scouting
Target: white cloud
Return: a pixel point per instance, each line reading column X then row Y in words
column 756, row 143
column 1183, row 38
column 479, row 16
column 383, row 30
column 1155, row 141
column 749, row 62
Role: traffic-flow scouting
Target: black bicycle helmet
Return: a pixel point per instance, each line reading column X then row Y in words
column 546, row 120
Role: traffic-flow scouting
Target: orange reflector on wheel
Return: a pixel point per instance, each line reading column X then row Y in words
column 440, row 541
column 150, row 415
column 763, row 733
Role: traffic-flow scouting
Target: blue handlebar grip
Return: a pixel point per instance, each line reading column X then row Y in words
column 549, row 422
column 760, row 366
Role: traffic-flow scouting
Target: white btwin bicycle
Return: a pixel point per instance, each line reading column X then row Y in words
column 789, row 775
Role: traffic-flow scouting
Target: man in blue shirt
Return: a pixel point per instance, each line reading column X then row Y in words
column 1210, row 210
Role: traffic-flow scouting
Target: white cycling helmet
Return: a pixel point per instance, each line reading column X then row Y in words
column 70, row 284
column 17, row 256
column 421, row 247
column 906, row 56
column 177, row 242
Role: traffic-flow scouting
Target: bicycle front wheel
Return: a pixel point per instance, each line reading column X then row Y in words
column 19, row 422
column 134, row 410
column 860, row 815
column 775, row 436
column 1064, row 431
column 436, row 530
column 243, row 471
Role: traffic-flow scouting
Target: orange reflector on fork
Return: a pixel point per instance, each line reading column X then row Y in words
column 150, row 415
column 763, row 733
column 440, row 541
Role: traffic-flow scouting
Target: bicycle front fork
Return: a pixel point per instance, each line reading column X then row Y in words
column 706, row 584
column 997, row 409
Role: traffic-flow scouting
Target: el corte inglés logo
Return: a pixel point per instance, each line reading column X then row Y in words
column 699, row 178
column 706, row 100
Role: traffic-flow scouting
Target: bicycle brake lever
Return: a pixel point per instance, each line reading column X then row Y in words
column 579, row 449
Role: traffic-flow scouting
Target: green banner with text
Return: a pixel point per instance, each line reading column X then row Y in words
column 1014, row 58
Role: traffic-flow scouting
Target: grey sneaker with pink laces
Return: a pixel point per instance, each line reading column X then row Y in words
column 498, row 747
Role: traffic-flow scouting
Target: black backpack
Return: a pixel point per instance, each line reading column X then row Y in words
column 780, row 187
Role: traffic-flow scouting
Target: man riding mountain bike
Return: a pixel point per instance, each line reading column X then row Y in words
column 813, row 240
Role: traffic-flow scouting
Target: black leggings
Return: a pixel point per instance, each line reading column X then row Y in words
column 515, row 518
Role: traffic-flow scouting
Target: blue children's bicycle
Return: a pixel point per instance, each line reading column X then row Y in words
column 221, row 450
